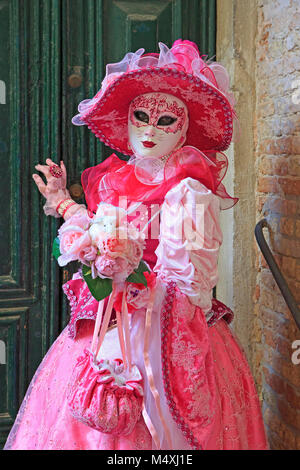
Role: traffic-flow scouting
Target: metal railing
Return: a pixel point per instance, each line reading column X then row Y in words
column 281, row 282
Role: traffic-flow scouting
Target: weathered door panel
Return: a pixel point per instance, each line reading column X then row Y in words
column 52, row 56
column 29, row 131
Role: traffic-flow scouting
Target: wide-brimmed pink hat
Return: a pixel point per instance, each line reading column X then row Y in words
column 179, row 71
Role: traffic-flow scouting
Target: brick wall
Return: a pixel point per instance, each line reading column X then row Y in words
column 277, row 149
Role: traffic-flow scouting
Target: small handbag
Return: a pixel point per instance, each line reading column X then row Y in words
column 107, row 395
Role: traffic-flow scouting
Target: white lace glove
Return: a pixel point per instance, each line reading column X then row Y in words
column 55, row 189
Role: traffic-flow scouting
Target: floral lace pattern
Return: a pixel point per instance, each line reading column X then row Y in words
column 156, row 105
column 44, row 421
column 183, row 356
column 84, row 306
column 202, row 85
column 208, row 385
column 187, row 94
column 218, row 311
column 213, row 126
column 104, row 396
column 82, row 303
column 196, row 379
column 44, row 415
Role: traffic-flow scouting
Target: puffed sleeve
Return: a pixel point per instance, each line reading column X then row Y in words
column 190, row 238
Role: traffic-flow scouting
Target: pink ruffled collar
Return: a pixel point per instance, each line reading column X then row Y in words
column 114, row 179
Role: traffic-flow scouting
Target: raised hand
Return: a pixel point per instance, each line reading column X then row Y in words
column 54, row 190
column 53, row 183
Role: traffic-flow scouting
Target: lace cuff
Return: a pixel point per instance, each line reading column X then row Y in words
column 54, row 199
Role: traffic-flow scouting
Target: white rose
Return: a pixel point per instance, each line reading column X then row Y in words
column 102, row 228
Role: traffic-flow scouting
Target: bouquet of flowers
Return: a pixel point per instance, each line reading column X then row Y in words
column 106, row 394
column 109, row 248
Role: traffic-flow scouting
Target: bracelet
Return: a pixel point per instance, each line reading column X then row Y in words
column 64, row 205
column 68, row 207
column 59, row 204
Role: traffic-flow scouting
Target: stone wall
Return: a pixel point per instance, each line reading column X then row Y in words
column 261, row 50
column 277, row 138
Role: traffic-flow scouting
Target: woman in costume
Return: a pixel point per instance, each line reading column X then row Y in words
column 173, row 114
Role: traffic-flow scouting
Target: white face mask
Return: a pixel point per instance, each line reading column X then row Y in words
column 157, row 124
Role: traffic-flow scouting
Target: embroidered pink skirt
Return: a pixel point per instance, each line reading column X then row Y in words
column 44, row 420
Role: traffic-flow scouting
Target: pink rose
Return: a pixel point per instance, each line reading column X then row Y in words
column 104, row 266
column 107, row 266
column 185, row 53
column 74, row 239
column 114, row 247
column 185, row 42
column 136, row 253
column 72, row 243
column 137, row 295
column 77, row 220
column 87, row 254
column 113, row 268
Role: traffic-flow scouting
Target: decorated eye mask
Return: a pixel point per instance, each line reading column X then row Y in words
column 157, row 124
column 158, row 110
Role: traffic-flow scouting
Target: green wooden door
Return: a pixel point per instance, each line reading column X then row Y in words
column 52, row 55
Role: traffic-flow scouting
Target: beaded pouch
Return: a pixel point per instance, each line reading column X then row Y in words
column 107, row 395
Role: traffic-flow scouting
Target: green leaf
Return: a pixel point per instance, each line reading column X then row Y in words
column 99, row 288
column 138, row 277
column 55, row 248
column 142, row 267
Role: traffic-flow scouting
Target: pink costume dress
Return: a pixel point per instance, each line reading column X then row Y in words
column 208, row 398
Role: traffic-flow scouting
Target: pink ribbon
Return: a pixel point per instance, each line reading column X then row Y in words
column 150, row 427
column 121, row 338
column 105, row 321
column 97, row 324
column 123, row 320
column 149, row 371
column 126, row 328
